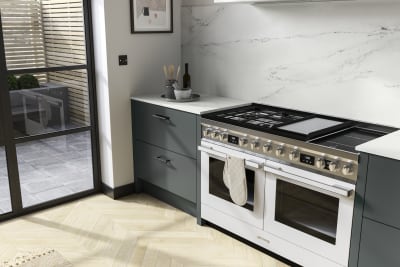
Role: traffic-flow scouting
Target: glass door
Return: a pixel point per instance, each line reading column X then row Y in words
column 48, row 92
column 5, row 197
column 5, row 194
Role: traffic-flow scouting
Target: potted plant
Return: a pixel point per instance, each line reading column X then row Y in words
column 28, row 81
column 12, row 82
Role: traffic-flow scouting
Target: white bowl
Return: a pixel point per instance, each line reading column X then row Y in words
column 183, row 94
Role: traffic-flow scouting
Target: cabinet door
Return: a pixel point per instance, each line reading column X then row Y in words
column 167, row 128
column 382, row 196
column 167, row 170
column 380, row 245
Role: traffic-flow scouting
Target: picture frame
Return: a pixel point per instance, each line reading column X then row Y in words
column 151, row 16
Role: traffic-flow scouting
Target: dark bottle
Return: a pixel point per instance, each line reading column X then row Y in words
column 186, row 77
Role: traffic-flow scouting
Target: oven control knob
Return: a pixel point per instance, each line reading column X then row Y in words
column 293, row 154
column 320, row 163
column 347, row 169
column 243, row 141
column 267, row 147
column 206, row 132
column 333, row 166
column 214, row 134
column 223, row 136
column 255, row 144
column 279, row 151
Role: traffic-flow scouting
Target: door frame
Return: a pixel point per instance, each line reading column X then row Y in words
column 10, row 142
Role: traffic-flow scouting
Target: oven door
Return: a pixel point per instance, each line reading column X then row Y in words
column 313, row 211
column 215, row 195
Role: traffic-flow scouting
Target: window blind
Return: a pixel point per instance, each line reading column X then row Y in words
column 22, row 31
column 64, row 39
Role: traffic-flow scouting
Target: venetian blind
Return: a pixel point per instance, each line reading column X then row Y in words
column 64, row 39
column 22, row 31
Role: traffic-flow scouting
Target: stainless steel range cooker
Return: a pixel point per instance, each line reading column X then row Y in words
column 301, row 170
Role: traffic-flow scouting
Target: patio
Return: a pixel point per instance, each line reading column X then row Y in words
column 50, row 169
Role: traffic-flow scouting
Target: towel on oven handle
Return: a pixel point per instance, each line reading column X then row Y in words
column 234, row 177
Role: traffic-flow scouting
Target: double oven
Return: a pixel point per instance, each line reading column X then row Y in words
column 308, row 210
column 300, row 169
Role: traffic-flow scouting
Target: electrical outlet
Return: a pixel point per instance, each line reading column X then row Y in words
column 123, row 60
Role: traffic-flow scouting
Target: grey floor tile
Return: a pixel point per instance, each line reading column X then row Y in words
column 51, row 168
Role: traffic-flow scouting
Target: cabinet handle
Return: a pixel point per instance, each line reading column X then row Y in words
column 160, row 117
column 161, row 159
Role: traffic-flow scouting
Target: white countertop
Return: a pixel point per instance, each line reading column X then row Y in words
column 386, row 146
column 206, row 103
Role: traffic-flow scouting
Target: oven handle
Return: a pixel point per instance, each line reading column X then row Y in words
column 336, row 189
column 212, row 152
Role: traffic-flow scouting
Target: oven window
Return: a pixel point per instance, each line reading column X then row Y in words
column 306, row 210
column 218, row 188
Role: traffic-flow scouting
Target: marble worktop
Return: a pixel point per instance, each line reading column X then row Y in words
column 205, row 104
column 386, row 146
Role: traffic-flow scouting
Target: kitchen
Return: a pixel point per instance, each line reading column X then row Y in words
column 323, row 58
column 336, row 59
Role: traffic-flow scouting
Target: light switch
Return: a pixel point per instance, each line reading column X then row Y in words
column 123, row 60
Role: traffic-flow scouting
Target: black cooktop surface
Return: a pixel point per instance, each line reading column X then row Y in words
column 348, row 139
column 285, row 122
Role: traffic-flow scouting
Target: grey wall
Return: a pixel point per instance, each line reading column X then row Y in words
column 147, row 53
column 335, row 58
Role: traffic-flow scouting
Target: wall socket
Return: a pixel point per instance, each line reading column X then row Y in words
column 123, row 60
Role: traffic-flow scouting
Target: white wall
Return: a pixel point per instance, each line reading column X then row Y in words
column 334, row 58
column 147, row 53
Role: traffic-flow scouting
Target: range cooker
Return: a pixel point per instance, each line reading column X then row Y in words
column 301, row 170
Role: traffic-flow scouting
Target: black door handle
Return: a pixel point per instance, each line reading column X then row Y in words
column 161, row 159
column 161, row 117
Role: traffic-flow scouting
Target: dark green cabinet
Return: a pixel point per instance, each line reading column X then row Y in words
column 168, row 170
column 166, row 160
column 167, row 128
column 382, row 195
column 376, row 222
column 380, row 245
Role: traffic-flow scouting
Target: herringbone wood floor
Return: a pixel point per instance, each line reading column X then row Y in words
column 134, row 231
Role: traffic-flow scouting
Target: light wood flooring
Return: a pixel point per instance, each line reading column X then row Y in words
column 135, row 231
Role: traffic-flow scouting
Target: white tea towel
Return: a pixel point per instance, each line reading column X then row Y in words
column 235, row 179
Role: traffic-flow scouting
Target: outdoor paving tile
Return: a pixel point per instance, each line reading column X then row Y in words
column 40, row 186
column 50, row 169
column 5, row 206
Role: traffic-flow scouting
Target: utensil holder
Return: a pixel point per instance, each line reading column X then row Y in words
column 169, row 89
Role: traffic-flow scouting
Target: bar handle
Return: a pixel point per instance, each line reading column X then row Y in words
column 160, row 117
column 163, row 160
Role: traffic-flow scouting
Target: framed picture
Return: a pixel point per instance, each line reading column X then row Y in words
column 151, row 16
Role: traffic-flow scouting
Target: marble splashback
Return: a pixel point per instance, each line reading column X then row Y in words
column 333, row 58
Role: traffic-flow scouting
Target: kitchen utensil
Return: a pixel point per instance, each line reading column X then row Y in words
column 177, row 72
column 165, row 72
column 171, row 72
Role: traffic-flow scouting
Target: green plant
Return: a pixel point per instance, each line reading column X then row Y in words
column 28, row 81
column 12, row 82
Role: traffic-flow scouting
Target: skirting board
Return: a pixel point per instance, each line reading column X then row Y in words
column 118, row 192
